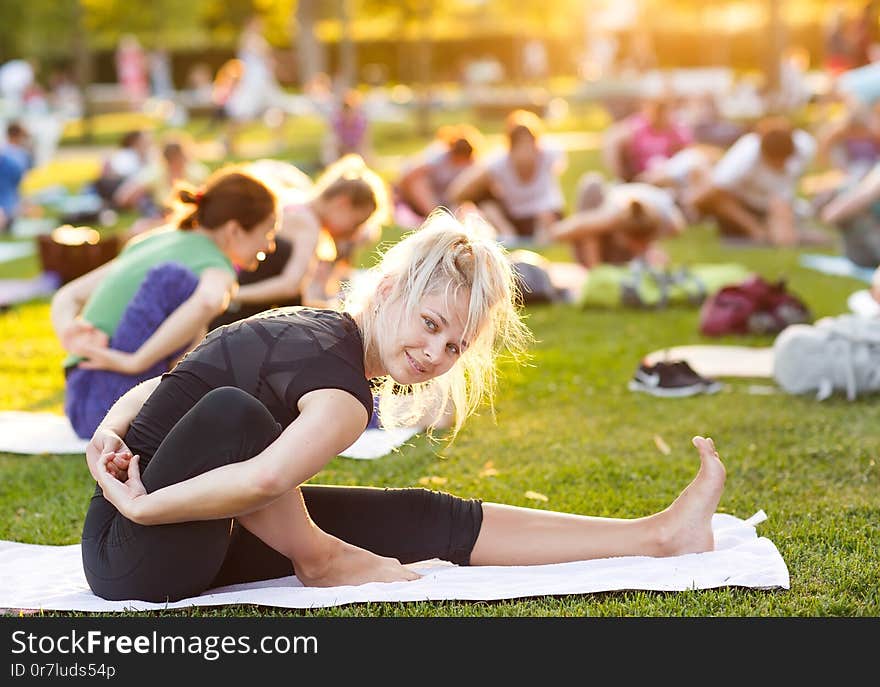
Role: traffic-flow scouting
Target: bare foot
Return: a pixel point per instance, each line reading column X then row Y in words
column 687, row 523
column 352, row 565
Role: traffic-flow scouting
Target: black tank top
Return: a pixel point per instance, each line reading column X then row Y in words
column 277, row 357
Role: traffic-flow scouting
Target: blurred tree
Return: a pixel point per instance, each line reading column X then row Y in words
column 309, row 51
column 158, row 23
column 739, row 33
column 82, row 58
column 39, row 29
column 776, row 45
column 13, row 13
column 223, row 19
column 402, row 20
column 413, row 20
column 347, row 52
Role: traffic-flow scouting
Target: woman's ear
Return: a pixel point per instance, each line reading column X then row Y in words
column 386, row 285
column 232, row 228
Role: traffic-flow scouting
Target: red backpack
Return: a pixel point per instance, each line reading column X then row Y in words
column 753, row 306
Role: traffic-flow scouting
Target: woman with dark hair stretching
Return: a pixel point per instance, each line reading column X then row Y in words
column 227, row 439
column 132, row 318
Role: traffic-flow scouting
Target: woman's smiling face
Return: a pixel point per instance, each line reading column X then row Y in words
column 428, row 342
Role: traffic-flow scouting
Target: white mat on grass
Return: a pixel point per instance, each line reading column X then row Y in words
column 51, row 577
column 36, row 433
column 838, row 265
column 720, row 360
column 15, row 250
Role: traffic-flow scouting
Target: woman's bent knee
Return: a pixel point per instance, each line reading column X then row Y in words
column 233, row 415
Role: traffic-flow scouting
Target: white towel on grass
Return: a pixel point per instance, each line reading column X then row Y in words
column 36, row 433
column 51, row 577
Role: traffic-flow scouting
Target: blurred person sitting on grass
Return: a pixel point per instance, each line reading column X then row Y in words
column 751, row 191
column 16, row 158
column 134, row 154
column 616, row 223
column 644, row 140
column 348, row 130
column 152, row 187
column 855, row 213
column 851, row 143
column 424, row 182
column 135, row 316
column 518, row 192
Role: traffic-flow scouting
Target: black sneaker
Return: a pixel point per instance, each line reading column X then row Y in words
column 671, row 379
column 710, row 386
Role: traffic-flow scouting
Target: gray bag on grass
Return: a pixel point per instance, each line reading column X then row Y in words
column 835, row 354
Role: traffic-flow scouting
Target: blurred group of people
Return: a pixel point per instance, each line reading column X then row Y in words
column 672, row 163
column 250, row 238
column 277, row 236
column 246, row 89
column 41, row 108
column 207, row 248
column 662, row 171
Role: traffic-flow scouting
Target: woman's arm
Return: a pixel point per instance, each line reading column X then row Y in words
column 303, row 231
column 330, row 420
column 108, row 436
column 415, row 187
column 210, row 298
column 471, row 185
column 670, row 219
column 613, row 150
column 587, row 223
column 590, row 252
column 73, row 332
column 828, row 139
column 855, row 200
column 118, row 418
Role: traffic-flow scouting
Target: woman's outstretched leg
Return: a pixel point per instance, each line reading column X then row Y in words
column 416, row 524
column 526, row 536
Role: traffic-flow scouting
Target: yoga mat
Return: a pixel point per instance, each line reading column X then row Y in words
column 14, row 291
column 837, row 265
column 720, row 361
column 51, row 577
column 14, row 250
column 37, row 433
column 28, row 227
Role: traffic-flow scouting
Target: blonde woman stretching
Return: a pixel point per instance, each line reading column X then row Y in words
column 224, row 443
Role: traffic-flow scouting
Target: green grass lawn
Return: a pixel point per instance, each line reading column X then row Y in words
column 567, row 427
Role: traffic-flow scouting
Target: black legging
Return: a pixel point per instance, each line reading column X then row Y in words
column 123, row 560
